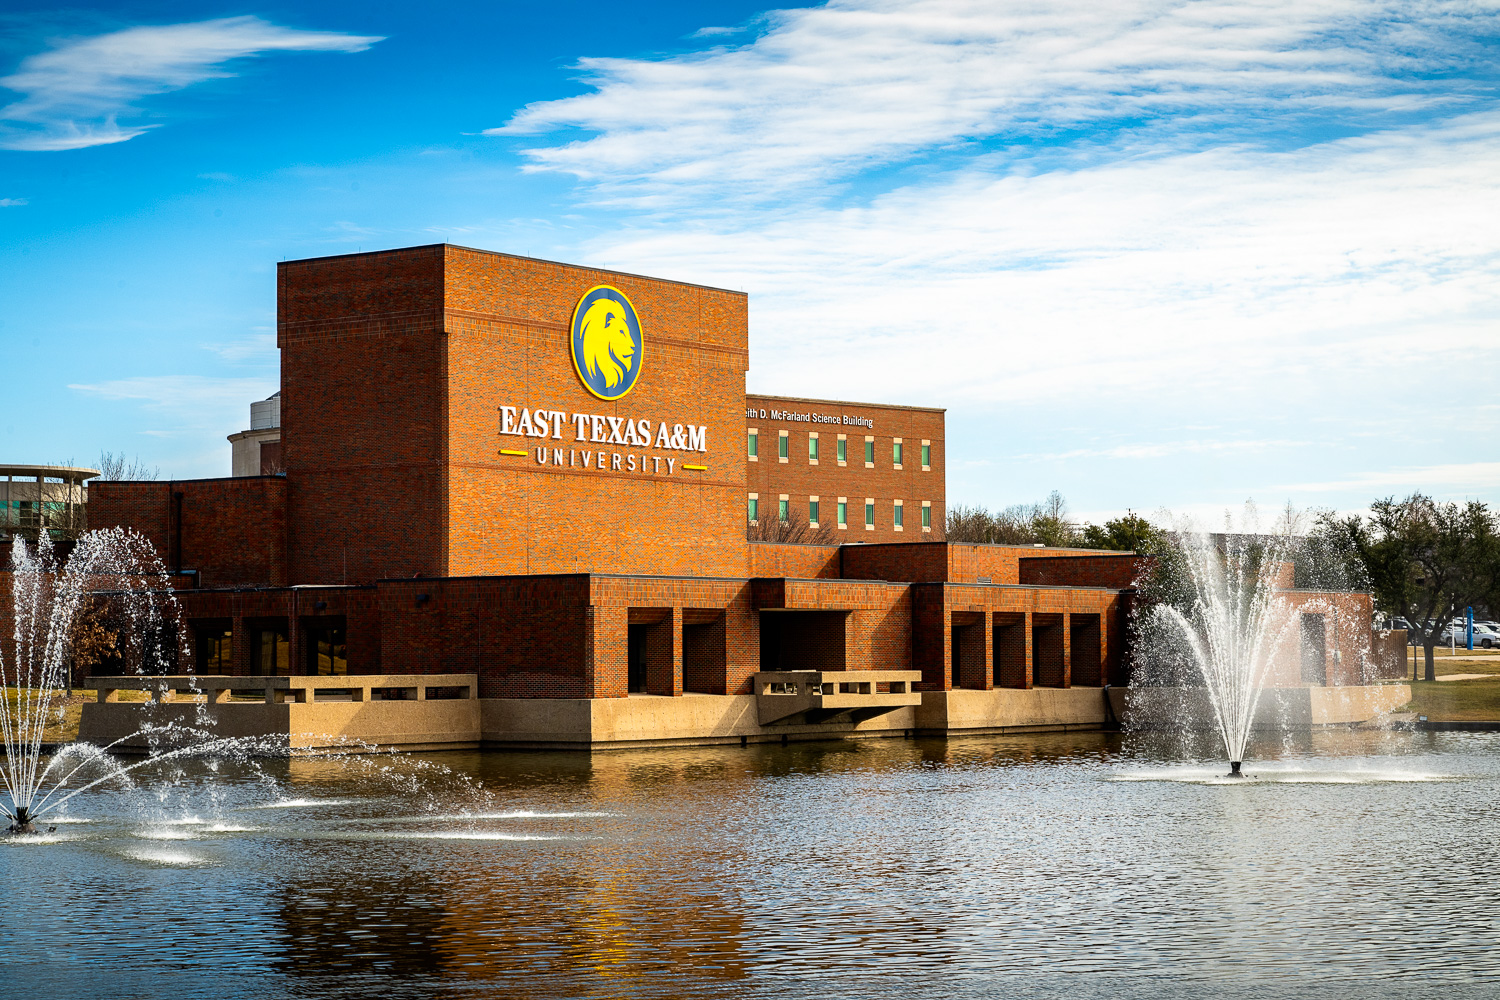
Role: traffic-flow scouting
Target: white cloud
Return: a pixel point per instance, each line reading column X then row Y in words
column 12, row 202
column 1269, row 217
column 1230, row 271
column 826, row 91
column 75, row 93
column 1470, row 478
column 258, row 347
column 193, row 404
column 1165, row 449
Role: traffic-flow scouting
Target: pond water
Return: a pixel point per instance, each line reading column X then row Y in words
column 1074, row 864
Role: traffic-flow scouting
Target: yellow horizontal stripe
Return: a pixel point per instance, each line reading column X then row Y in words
column 697, row 468
column 507, row 451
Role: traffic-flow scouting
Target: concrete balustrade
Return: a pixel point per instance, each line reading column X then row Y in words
column 402, row 711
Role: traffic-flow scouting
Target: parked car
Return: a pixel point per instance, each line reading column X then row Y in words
column 1484, row 636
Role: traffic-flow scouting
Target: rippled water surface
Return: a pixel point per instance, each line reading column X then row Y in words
column 1072, row 865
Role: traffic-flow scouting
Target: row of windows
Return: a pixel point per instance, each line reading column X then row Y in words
column 841, row 446
column 814, row 511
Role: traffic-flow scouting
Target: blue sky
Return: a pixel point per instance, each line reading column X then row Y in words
column 1150, row 254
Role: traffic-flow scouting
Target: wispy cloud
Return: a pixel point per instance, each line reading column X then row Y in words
column 827, row 91
column 1165, row 449
column 12, row 202
column 258, row 347
column 1148, row 211
column 190, row 403
column 75, row 94
column 1470, row 478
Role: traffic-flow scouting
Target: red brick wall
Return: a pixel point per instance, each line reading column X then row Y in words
column 910, row 562
column 394, row 366
column 524, row 637
column 507, row 320
column 802, row 562
column 233, row 531
column 1115, row 571
column 363, row 411
column 800, row 479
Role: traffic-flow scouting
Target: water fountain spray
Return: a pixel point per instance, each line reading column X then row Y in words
column 115, row 566
column 1225, row 614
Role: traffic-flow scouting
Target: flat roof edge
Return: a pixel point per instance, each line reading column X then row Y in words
column 846, row 402
column 514, row 256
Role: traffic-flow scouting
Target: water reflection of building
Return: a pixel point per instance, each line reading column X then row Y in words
column 475, row 480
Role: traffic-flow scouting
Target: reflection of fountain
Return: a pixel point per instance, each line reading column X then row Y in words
column 1213, row 616
column 111, row 585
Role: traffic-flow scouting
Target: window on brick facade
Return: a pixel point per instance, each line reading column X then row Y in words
column 869, row 515
column 812, row 511
column 900, row 520
column 754, row 510
column 754, row 444
column 843, row 513
column 785, row 509
column 270, row 651
column 896, row 453
column 812, row 448
column 926, row 516
column 843, row 450
column 870, row 451
column 927, row 455
column 214, row 646
column 326, row 650
column 781, row 446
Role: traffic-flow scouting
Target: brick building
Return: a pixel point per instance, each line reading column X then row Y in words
column 541, row 474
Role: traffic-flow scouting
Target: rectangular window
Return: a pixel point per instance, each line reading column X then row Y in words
column 327, row 651
column 214, row 640
column 869, row 513
column 900, row 521
column 781, row 445
column 812, row 448
column 754, row 444
column 812, row 511
column 843, row 450
column 754, row 511
column 926, row 516
column 843, row 513
column 926, row 456
column 896, row 453
column 784, row 511
column 869, row 451
column 270, row 651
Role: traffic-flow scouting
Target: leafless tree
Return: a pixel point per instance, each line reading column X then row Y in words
column 116, row 467
column 794, row 530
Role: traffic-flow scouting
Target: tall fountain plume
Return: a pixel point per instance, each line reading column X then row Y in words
column 113, row 572
column 1213, row 618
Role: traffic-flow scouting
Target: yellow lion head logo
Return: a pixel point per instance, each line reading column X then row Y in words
column 608, row 347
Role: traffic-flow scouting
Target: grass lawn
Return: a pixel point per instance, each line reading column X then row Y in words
column 1457, row 701
column 62, row 721
column 1475, row 700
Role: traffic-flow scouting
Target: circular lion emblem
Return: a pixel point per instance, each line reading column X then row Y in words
column 607, row 342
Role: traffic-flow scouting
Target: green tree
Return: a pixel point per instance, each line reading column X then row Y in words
column 1426, row 561
column 1131, row 533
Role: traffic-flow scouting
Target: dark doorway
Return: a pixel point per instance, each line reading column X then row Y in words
column 1314, row 650
column 270, row 648
column 213, row 646
column 967, row 649
column 325, row 649
column 1010, row 650
column 802, row 640
column 635, row 658
column 1047, row 656
column 1086, row 651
